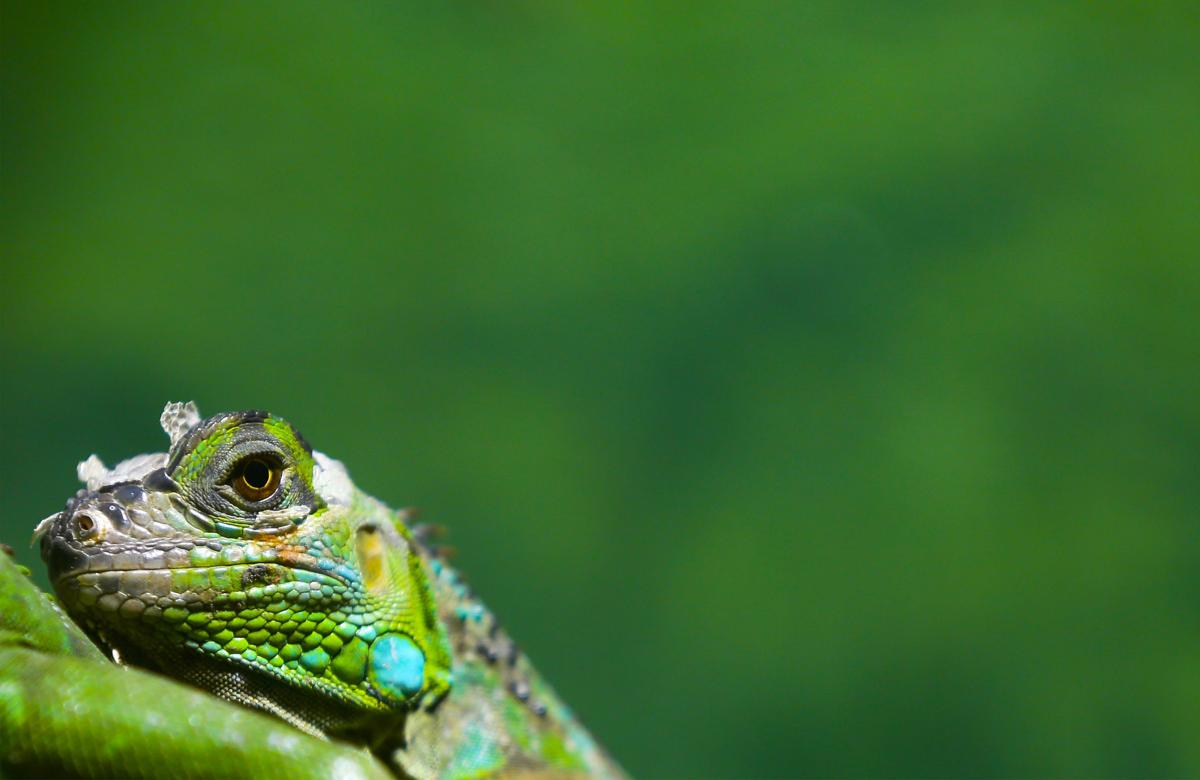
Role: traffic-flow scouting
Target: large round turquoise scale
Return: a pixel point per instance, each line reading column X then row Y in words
column 396, row 667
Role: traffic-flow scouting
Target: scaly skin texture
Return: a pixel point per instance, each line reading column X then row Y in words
column 67, row 711
column 249, row 566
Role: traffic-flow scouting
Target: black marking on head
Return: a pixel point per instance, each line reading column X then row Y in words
column 115, row 514
column 113, row 486
column 259, row 574
column 159, row 481
column 520, row 689
column 129, row 493
column 488, row 652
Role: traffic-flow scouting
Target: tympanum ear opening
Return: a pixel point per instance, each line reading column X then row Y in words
column 372, row 550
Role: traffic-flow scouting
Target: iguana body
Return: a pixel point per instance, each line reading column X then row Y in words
column 251, row 567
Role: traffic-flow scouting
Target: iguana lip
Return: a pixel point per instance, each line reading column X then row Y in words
column 67, row 561
column 114, row 532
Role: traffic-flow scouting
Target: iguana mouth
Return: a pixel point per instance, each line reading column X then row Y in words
column 120, row 531
column 258, row 571
column 251, row 573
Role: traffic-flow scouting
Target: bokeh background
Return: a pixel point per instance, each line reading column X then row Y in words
column 813, row 389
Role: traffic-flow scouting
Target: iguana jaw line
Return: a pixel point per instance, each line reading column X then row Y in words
column 292, row 565
column 104, row 513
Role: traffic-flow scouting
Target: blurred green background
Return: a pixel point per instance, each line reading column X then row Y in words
column 813, row 389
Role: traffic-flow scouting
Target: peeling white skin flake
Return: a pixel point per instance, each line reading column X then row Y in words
column 331, row 481
column 43, row 527
column 177, row 419
column 93, row 473
column 283, row 516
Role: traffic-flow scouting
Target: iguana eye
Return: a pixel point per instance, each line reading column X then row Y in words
column 256, row 478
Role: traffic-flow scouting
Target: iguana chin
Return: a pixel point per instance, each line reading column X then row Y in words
column 250, row 566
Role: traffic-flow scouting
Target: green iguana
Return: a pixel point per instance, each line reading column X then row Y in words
column 250, row 567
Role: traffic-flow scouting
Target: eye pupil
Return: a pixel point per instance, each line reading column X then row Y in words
column 256, row 474
column 257, row 479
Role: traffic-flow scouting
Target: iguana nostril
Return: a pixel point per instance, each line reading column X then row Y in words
column 89, row 526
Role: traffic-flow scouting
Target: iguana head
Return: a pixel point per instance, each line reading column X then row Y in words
column 245, row 562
